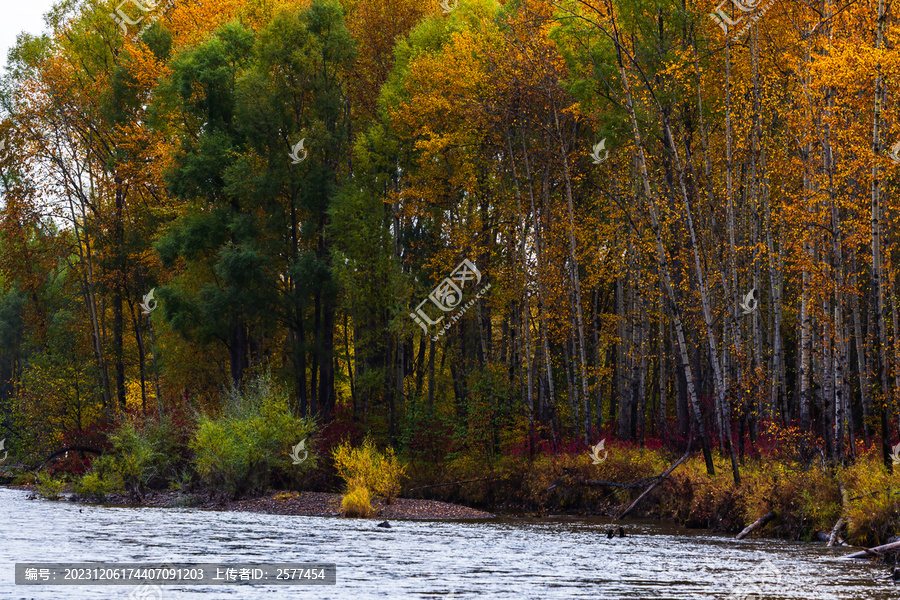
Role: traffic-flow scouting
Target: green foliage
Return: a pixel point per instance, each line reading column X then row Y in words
column 426, row 434
column 139, row 457
column 23, row 479
column 144, row 455
column 873, row 500
column 48, row 487
column 238, row 450
column 127, row 468
column 378, row 472
column 186, row 501
column 102, row 480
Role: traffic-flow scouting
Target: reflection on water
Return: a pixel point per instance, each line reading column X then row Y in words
column 513, row 559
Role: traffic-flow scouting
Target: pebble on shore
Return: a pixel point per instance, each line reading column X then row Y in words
column 314, row 504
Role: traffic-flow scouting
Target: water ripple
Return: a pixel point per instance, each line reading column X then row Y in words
column 514, row 559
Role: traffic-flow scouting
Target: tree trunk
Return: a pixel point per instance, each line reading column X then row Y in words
column 895, row 546
column 662, row 260
column 757, row 524
column 877, row 283
column 861, row 355
column 522, row 259
column 719, row 382
column 576, row 279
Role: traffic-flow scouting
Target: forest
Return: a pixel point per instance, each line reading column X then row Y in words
column 465, row 229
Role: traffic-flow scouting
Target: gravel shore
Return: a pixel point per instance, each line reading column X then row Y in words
column 308, row 504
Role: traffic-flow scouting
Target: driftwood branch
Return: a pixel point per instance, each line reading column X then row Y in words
column 659, row 478
column 590, row 482
column 636, row 484
column 894, row 493
column 757, row 524
column 453, row 483
column 877, row 550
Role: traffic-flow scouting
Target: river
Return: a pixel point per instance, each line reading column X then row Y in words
column 503, row 558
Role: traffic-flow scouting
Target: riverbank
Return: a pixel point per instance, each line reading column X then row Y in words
column 859, row 499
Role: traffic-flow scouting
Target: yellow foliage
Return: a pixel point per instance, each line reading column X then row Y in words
column 357, row 502
column 873, row 500
column 134, row 399
column 380, row 473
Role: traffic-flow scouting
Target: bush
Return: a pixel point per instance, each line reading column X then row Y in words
column 357, row 502
column 23, row 479
column 102, row 480
column 95, row 486
column 139, row 458
column 48, row 487
column 239, row 450
column 186, row 501
column 873, row 497
column 365, row 466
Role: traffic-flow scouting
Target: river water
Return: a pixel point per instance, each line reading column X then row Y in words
column 504, row 558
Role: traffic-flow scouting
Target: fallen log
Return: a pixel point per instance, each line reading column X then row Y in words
column 567, row 476
column 834, row 533
column 877, row 550
column 659, row 478
column 590, row 482
column 757, row 524
column 453, row 483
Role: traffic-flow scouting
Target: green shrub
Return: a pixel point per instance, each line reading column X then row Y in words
column 238, row 451
column 138, row 456
column 23, row 479
column 143, row 456
column 102, row 480
column 380, row 473
column 47, row 487
column 186, row 501
column 184, row 481
column 95, row 486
